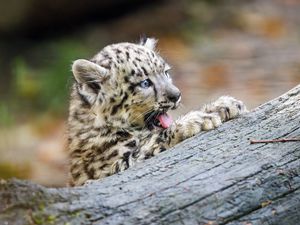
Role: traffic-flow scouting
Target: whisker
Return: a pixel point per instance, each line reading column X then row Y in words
column 143, row 114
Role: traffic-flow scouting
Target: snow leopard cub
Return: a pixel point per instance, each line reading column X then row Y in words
column 118, row 111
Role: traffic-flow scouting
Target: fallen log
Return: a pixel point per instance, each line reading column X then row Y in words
column 216, row 177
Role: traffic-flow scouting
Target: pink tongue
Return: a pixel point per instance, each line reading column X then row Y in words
column 165, row 120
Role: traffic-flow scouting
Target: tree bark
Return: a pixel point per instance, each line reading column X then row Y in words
column 216, row 177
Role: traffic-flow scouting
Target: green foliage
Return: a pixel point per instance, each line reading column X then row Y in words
column 41, row 84
column 6, row 118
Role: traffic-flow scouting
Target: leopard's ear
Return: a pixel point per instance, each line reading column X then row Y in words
column 86, row 71
column 149, row 43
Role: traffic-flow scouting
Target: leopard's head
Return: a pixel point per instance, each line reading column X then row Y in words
column 127, row 84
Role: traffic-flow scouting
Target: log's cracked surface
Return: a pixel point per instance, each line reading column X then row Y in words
column 217, row 177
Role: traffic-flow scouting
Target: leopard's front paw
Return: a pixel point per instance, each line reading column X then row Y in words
column 227, row 107
column 195, row 122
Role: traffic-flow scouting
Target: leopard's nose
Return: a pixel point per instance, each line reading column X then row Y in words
column 174, row 96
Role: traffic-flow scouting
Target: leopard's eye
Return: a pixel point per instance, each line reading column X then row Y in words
column 145, row 83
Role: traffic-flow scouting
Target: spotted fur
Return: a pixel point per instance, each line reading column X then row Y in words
column 114, row 95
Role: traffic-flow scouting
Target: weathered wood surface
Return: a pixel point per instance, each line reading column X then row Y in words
column 217, row 177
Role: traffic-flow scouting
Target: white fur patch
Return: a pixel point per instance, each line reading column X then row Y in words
column 150, row 43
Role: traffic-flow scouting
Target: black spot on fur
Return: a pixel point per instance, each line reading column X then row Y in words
column 135, row 153
column 126, row 158
column 82, row 143
column 105, row 146
column 123, row 135
column 101, row 159
column 117, row 168
column 131, row 87
column 76, row 153
column 94, row 86
column 91, row 172
column 139, row 74
column 131, row 144
column 97, row 129
column 113, row 154
column 117, row 107
column 148, row 155
column 88, row 171
column 159, row 140
column 145, row 71
column 162, row 149
column 112, row 100
column 76, row 175
column 103, row 166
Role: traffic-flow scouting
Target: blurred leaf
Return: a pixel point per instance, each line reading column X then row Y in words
column 42, row 81
column 25, row 84
column 6, row 117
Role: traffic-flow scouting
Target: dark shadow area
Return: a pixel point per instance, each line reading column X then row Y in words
column 49, row 19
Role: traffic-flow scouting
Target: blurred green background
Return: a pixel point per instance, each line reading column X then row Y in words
column 248, row 49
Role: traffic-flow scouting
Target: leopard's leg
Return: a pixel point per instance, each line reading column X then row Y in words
column 209, row 117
